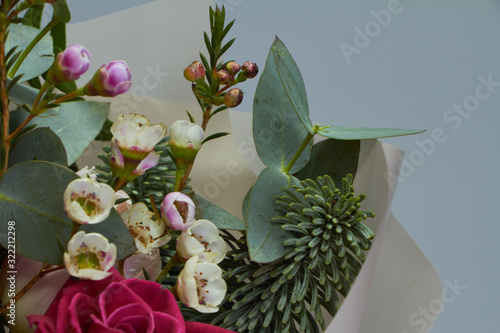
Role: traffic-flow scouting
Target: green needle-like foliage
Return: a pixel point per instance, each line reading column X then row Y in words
column 324, row 260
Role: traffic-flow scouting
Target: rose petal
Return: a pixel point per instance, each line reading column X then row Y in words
column 160, row 300
column 135, row 315
column 114, row 296
column 44, row 324
column 165, row 323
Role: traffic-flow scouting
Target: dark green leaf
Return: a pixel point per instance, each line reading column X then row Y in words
column 58, row 33
column 265, row 239
column 219, row 109
column 31, row 194
column 39, row 59
column 40, row 144
column 226, row 47
column 277, row 129
column 335, row 158
column 221, row 218
column 215, row 136
column 146, row 274
column 191, row 118
column 61, row 11
column 67, row 87
column 361, row 133
column 33, row 16
column 105, row 133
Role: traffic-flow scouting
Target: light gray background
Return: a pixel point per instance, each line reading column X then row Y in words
column 410, row 73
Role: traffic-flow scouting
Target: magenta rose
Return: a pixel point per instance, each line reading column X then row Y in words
column 116, row 305
column 110, row 80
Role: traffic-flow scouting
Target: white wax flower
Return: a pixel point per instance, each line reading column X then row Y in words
column 117, row 161
column 134, row 133
column 88, row 202
column 200, row 285
column 202, row 239
column 147, row 233
column 185, row 139
column 89, row 256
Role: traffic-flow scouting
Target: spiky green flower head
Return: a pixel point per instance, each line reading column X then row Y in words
column 328, row 223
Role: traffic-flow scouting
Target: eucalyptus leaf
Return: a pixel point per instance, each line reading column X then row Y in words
column 265, row 239
column 362, row 133
column 292, row 82
column 31, row 195
column 278, row 130
column 39, row 59
column 22, row 94
column 335, row 158
column 220, row 217
column 61, row 10
column 76, row 124
column 39, row 144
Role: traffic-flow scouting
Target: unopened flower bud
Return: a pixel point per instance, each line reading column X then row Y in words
column 194, row 72
column 250, row 69
column 110, row 80
column 178, row 211
column 232, row 67
column 185, row 139
column 223, row 76
column 233, row 98
column 69, row 64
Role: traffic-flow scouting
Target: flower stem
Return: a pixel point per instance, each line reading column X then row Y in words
column 5, row 145
column 43, row 89
column 12, row 135
column 172, row 262
column 43, row 271
column 75, row 93
column 300, row 150
column 31, row 45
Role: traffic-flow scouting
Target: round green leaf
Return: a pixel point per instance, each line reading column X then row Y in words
column 77, row 124
column 31, row 195
column 39, row 59
column 335, row 158
column 39, row 144
column 265, row 239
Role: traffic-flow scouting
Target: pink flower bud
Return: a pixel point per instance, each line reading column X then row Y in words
column 110, row 80
column 194, row 72
column 178, row 211
column 250, row 69
column 233, row 98
column 232, row 67
column 223, row 76
column 69, row 64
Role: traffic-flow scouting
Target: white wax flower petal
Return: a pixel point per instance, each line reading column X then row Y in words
column 147, row 233
column 202, row 279
column 87, row 172
column 134, row 132
column 88, row 202
column 89, row 256
column 202, row 239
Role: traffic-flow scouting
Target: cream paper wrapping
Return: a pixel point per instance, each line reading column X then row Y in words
column 396, row 281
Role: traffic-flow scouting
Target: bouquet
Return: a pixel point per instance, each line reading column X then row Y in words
column 129, row 245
